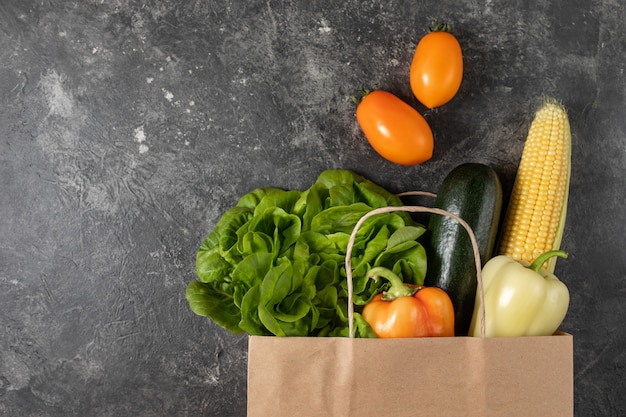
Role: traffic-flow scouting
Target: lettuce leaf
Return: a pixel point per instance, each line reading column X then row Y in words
column 274, row 263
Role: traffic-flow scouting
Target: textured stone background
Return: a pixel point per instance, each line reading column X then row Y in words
column 127, row 127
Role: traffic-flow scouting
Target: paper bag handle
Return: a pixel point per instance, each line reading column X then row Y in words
column 413, row 209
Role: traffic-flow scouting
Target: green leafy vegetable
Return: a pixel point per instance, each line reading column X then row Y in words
column 274, row 263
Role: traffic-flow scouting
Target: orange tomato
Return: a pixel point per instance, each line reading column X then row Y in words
column 394, row 129
column 437, row 67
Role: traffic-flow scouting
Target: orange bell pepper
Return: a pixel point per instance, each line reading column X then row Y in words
column 406, row 310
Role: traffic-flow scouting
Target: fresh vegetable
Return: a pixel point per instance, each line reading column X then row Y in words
column 273, row 264
column 394, row 129
column 437, row 67
column 473, row 192
column 521, row 299
column 535, row 218
column 408, row 310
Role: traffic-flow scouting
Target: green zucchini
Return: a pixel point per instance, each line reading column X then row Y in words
column 473, row 192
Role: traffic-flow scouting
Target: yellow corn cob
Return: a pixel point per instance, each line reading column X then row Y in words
column 535, row 217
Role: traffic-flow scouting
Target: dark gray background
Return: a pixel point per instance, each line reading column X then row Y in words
column 128, row 127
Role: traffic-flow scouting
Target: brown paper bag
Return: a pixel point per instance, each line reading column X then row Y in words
column 429, row 377
column 438, row 377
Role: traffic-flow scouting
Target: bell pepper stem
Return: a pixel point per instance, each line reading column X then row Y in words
column 541, row 259
column 397, row 288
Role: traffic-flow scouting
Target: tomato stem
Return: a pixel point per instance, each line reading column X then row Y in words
column 363, row 92
column 439, row 26
column 397, row 287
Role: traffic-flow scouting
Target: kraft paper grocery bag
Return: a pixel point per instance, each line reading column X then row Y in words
column 416, row 377
column 434, row 377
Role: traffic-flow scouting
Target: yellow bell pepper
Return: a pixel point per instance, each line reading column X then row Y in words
column 520, row 299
